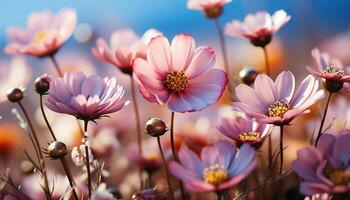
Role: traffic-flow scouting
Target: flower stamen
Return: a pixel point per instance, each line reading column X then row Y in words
column 215, row 174
column 332, row 69
column 40, row 36
column 278, row 109
column 250, row 136
column 176, row 81
column 337, row 176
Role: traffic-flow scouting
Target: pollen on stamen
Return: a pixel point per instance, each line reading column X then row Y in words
column 250, row 136
column 176, row 81
column 278, row 109
column 332, row 69
column 215, row 174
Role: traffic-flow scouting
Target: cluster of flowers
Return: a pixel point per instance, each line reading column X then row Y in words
column 184, row 78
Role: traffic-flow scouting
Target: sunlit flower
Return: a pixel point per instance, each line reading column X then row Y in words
column 123, row 48
column 44, row 35
column 211, row 8
column 180, row 75
column 258, row 27
column 220, row 167
column 150, row 159
column 331, row 70
column 13, row 75
column 277, row 102
column 244, row 130
column 85, row 97
column 325, row 169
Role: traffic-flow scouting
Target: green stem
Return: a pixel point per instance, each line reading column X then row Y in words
column 267, row 63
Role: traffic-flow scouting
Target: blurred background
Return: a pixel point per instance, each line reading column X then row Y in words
column 315, row 23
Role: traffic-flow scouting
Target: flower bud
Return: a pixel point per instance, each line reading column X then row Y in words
column 261, row 41
column 15, row 95
column 57, row 150
column 155, row 127
column 247, row 75
column 42, row 84
column 332, row 86
column 214, row 12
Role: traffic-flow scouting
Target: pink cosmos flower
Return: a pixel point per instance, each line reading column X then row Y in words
column 244, row 130
column 44, row 35
column 123, row 48
column 276, row 102
column 331, row 70
column 85, row 97
column 258, row 27
column 211, row 8
column 179, row 75
column 220, row 167
column 325, row 169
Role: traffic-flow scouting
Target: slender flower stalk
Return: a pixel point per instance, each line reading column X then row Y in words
column 57, row 67
column 166, row 171
column 281, row 149
column 222, row 45
column 63, row 161
column 173, row 149
column 38, row 147
column 323, row 119
column 267, row 70
column 87, row 157
column 221, row 195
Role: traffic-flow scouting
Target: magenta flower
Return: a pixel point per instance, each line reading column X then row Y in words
column 276, row 102
column 179, row 75
column 331, row 70
column 220, row 167
column 124, row 47
column 244, row 130
column 86, row 98
column 325, row 169
column 44, row 35
column 258, row 27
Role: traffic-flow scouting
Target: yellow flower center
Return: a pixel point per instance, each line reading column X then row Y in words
column 278, row 109
column 215, row 174
column 338, row 176
column 250, row 136
column 40, row 36
column 332, row 69
column 176, row 81
column 151, row 156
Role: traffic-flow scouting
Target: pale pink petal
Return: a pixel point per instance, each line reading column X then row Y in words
column 202, row 60
column 159, row 54
column 182, row 48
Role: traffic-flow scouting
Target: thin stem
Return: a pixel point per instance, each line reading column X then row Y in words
column 14, row 187
column 40, row 154
column 166, row 171
column 224, row 53
column 57, row 67
column 281, row 149
column 323, row 118
column 222, row 44
column 69, row 176
column 137, row 116
column 45, row 118
column 267, row 63
column 173, row 149
column 87, row 158
column 64, row 164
